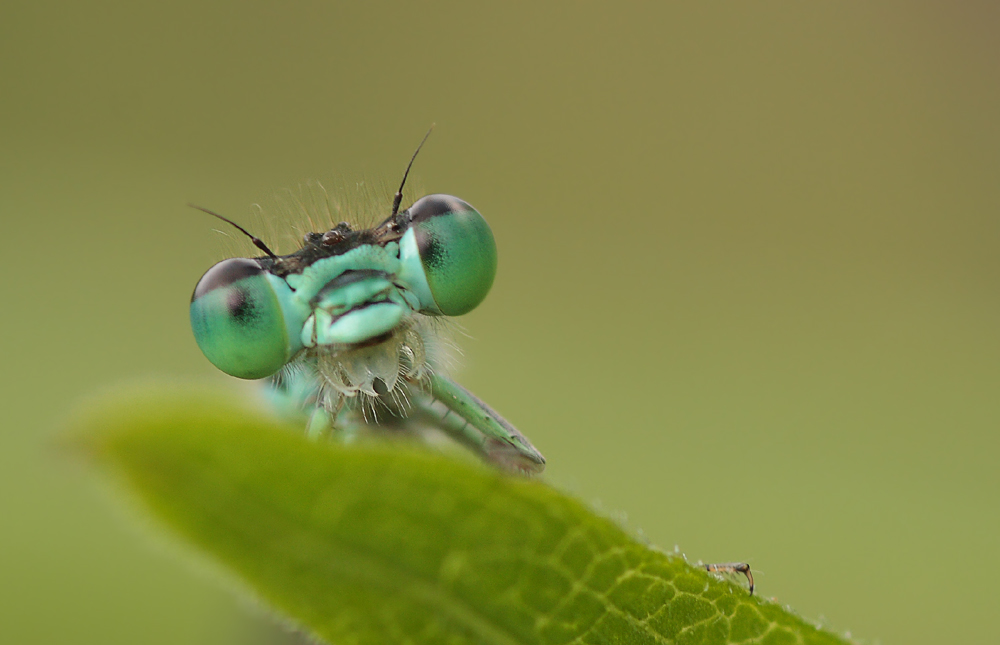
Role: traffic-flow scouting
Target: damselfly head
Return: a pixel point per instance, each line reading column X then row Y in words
column 344, row 287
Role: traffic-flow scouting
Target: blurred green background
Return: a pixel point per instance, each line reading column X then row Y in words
column 748, row 286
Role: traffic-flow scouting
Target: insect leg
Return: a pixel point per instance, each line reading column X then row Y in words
column 492, row 436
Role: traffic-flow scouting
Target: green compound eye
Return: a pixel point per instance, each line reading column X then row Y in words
column 448, row 254
column 238, row 321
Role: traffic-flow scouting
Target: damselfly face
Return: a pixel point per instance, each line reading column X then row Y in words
column 344, row 289
column 347, row 317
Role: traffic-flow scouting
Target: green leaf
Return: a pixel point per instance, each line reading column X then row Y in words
column 389, row 544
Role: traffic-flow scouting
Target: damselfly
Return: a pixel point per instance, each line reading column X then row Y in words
column 346, row 323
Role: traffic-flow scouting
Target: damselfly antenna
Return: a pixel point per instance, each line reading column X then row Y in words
column 399, row 193
column 256, row 240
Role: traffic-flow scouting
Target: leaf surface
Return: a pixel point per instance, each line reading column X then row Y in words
column 387, row 544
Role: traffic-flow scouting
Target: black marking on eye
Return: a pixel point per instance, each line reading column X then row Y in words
column 433, row 253
column 242, row 308
column 431, row 206
column 380, row 387
column 226, row 273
